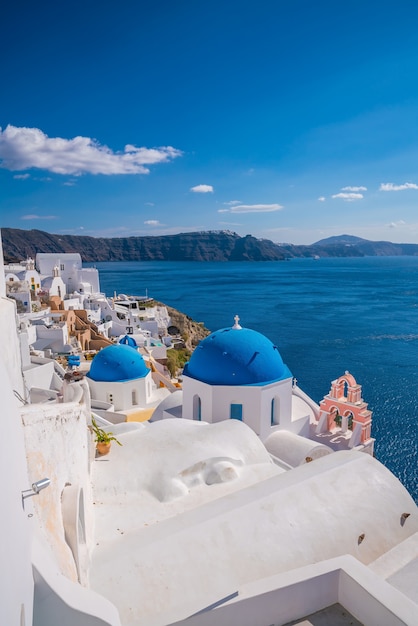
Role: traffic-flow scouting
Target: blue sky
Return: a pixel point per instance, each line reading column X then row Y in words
column 288, row 120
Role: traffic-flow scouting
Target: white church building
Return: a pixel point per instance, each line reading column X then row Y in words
column 77, row 278
column 120, row 376
column 237, row 373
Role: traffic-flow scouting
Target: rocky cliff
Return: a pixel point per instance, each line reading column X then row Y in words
column 181, row 324
column 199, row 246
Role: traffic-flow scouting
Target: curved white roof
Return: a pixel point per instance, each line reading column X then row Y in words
column 294, row 449
column 186, row 556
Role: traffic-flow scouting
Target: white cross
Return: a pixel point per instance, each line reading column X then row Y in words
column 236, row 320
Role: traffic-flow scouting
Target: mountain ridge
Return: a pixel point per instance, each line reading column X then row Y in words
column 19, row 244
column 341, row 239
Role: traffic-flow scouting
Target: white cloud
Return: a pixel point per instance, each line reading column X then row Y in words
column 393, row 187
column 232, row 202
column 349, row 188
column 252, row 208
column 33, row 216
column 202, row 189
column 348, row 197
column 25, row 148
column 152, row 223
column 396, row 224
column 69, row 183
column 21, row 176
column 321, row 199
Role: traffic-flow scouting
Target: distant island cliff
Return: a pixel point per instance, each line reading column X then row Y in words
column 197, row 246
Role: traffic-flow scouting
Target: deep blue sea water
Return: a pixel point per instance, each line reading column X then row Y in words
column 326, row 316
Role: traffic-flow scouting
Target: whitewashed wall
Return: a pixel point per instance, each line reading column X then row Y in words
column 59, row 446
column 256, row 403
column 16, row 590
column 122, row 392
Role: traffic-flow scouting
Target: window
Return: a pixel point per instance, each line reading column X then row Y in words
column 236, row 412
column 197, row 408
column 275, row 411
column 62, row 266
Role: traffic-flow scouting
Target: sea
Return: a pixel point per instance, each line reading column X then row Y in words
column 326, row 316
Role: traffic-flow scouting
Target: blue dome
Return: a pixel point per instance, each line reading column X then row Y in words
column 236, row 356
column 128, row 341
column 117, row 363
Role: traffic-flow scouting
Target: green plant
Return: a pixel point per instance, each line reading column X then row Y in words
column 101, row 435
column 176, row 359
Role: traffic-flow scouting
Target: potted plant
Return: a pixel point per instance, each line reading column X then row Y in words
column 103, row 438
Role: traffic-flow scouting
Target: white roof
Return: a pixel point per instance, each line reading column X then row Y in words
column 169, row 541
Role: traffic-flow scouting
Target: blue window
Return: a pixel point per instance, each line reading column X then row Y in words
column 236, row 412
column 275, row 411
column 197, row 408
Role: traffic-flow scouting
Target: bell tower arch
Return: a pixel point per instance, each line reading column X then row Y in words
column 346, row 408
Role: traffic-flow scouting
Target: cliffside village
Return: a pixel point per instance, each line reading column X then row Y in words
column 233, row 498
column 62, row 312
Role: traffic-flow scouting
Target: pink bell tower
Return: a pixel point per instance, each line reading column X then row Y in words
column 347, row 410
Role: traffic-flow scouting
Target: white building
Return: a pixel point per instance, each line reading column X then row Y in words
column 131, row 316
column 76, row 278
column 22, row 283
column 24, row 273
column 119, row 375
column 54, row 285
column 237, row 373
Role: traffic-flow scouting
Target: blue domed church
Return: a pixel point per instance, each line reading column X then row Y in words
column 119, row 375
column 237, row 373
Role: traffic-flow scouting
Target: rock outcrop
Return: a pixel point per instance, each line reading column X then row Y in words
column 190, row 331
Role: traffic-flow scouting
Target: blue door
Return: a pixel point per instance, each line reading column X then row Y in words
column 236, row 412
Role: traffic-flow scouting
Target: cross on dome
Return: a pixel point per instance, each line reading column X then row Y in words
column 236, row 325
